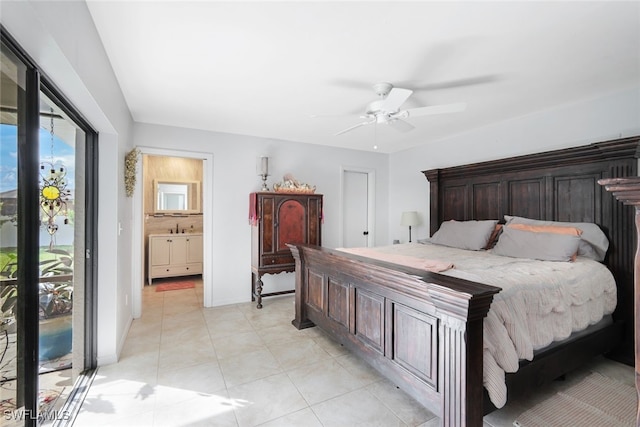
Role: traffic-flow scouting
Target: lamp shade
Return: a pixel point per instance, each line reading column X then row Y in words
column 262, row 165
column 409, row 218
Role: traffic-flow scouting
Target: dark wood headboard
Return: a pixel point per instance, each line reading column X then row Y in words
column 559, row 185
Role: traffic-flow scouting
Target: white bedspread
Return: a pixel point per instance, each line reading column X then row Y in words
column 540, row 302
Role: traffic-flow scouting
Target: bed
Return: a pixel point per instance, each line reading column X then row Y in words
column 424, row 330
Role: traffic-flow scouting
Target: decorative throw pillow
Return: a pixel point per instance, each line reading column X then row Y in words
column 495, row 234
column 536, row 245
column 472, row 235
column 593, row 242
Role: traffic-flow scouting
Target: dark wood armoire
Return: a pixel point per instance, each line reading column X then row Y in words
column 278, row 219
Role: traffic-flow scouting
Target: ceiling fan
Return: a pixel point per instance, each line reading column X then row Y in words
column 387, row 109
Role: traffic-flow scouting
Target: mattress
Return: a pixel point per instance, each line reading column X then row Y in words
column 541, row 302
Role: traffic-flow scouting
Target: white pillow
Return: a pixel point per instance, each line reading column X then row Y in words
column 472, row 235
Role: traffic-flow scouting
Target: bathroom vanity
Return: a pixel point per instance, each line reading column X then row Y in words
column 174, row 255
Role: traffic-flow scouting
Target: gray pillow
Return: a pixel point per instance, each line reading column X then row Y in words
column 541, row 246
column 472, row 235
column 593, row 242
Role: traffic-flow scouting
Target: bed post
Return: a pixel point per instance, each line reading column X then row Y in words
column 460, row 354
column 433, row 177
column 627, row 190
column 301, row 321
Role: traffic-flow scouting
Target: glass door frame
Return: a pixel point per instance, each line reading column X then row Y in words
column 91, row 223
column 28, row 210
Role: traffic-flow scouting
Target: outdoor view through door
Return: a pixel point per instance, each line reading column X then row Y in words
column 38, row 388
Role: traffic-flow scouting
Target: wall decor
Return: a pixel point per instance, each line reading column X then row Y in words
column 54, row 194
column 130, row 163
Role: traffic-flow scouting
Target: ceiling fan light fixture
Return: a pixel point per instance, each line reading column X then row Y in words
column 374, row 107
column 382, row 89
column 382, row 118
column 388, row 110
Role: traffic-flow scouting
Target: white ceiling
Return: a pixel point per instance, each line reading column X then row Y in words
column 263, row 68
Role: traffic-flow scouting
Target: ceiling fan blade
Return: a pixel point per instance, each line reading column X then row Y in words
column 401, row 125
column 352, row 128
column 450, row 84
column 396, row 97
column 434, row 109
column 322, row 116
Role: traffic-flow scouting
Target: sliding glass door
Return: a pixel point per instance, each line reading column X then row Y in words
column 47, row 233
column 61, row 257
column 13, row 89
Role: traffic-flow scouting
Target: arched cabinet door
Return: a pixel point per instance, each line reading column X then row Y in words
column 291, row 224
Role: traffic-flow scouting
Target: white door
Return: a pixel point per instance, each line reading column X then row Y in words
column 355, row 209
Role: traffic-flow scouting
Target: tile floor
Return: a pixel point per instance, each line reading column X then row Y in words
column 184, row 365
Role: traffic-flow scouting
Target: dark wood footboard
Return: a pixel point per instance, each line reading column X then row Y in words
column 421, row 330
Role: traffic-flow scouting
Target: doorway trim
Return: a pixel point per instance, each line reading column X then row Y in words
column 371, row 202
column 137, row 270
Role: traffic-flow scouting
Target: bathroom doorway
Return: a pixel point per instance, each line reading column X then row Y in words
column 172, row 209
column 172, row 236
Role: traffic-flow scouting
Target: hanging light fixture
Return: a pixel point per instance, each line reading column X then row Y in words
column 53, row 190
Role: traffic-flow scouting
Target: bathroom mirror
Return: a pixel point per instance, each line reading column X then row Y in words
column 176, row 196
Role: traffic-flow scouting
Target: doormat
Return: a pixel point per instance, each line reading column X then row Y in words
column 595, row 401
column 173, row 286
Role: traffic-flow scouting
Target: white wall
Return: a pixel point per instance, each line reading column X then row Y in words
column 62, row 40
column 234, row 177
column 594, row 120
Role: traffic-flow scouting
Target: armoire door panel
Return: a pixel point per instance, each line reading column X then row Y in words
column 291, row 224
column 315, row 220
column 267, row 224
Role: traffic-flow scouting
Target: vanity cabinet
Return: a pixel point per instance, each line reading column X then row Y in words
column 279, row 219
column 174, row 255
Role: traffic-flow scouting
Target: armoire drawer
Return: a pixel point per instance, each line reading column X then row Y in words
column 268, row 260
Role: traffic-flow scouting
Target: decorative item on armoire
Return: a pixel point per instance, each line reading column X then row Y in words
column 278, row 219
column 290, row 184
